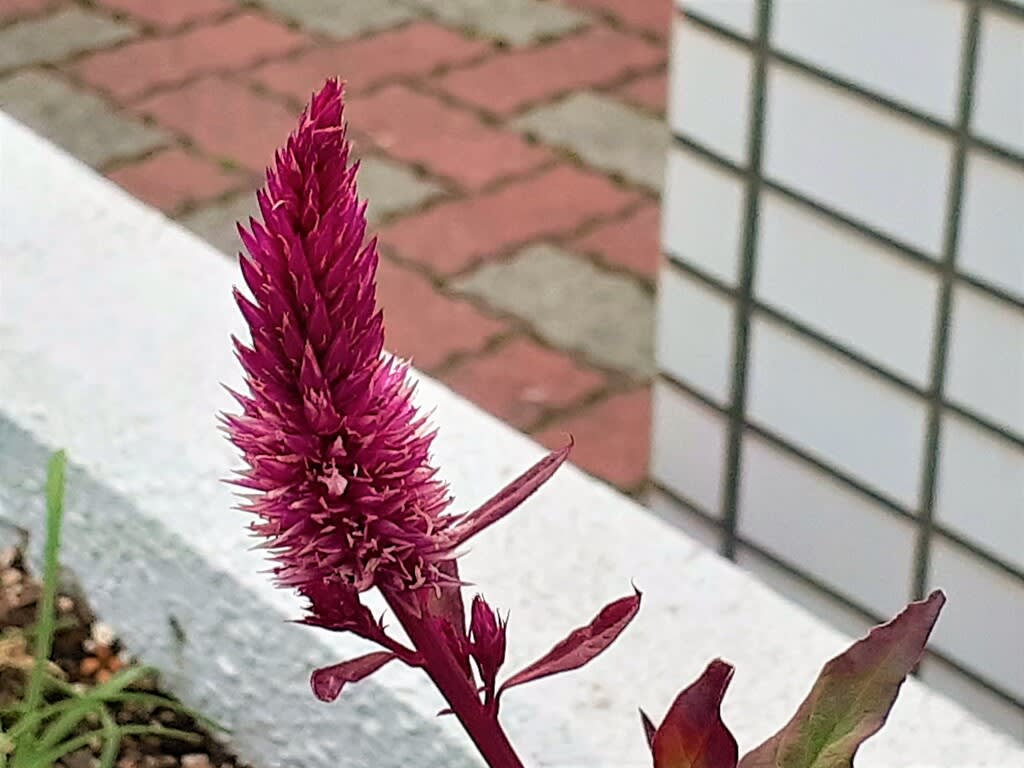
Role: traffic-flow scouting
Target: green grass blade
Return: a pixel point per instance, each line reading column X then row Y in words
column 155, row 700
column 119, row 682
column 47, row 759
column 30, row 721
column 47, row 615
column 112, row 739
column 60, row 728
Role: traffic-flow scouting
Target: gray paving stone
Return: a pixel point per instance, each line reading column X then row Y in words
column 350, row 18
column 516, row 22
column 392, row 188
column 216, row 223
column 52, row 38
column 573, row 305
column 604, row 133
column 80, row 122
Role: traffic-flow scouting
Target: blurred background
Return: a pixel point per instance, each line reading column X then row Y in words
column 815, row 262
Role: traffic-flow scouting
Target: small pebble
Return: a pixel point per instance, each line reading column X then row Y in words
column 196, row 761
column 103, row 634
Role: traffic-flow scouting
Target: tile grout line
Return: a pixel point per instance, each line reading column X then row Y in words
column 929, row 479
column 744, row 308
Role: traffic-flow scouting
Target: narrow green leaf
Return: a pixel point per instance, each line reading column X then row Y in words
column 156, row 700
column 46, row 760
column 111, row 739
column 47, row 603
column 852, row 696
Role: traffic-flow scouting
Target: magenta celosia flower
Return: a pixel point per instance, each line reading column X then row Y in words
column 337, row 455
column 338, row 468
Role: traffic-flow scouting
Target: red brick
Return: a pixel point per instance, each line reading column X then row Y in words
column 131, row 70
column 648, row 15
column 521, row 380
column 426, row 326
column 509, row 81
column 648, row 91
column 632, row 242
column 225, row 119
column 174, row 176
column 12, row 9
column 612, row 438
column 451, row 236
column 168, row 14
column 450, row 142
column 410, row 51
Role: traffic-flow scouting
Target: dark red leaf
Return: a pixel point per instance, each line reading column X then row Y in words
column 852, row 696
column 327, row 682
column 649, row 729
column 445, row 603
column 509, row 497
column 693, row 734
column 582, row 644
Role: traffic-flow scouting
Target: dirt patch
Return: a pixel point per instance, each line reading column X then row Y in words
column 87, row 653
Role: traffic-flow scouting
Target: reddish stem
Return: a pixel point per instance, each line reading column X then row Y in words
column 448, row 675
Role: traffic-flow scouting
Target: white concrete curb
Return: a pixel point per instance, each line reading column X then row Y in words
column 114, row 342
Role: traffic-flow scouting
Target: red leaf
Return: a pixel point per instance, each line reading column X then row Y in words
column 649, row 729
column 445, row 603
column 582, row 644
column 327, row 682
column 509, row 497
column 852, row 696
column 693, row 734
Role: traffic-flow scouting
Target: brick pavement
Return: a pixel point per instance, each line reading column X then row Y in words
column 512, row 152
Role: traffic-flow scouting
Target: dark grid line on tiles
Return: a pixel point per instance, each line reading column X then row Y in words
column 780, row 316
column 848, row 481
column 748, row 264
column 922, row 119
column 929, row 482
column 1005, row 6
column 688, row 508
column 896, row 247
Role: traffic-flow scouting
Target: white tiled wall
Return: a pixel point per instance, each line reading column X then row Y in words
column 824, row 274
column 844, row 303
column 847, row 40
column 714, row 113
column 981, row 488
column 999, row 113
column 689, row 447
column 795, row 511
column 857, row 158
column 983, row 624
column 695, row 335
column 986, row 358
column 708, row 227
column 992, row 222
column 821, row 402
